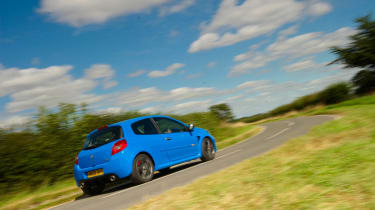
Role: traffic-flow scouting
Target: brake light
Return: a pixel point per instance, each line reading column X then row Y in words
column 119, row 146
column 101, row 128
column 76, row 162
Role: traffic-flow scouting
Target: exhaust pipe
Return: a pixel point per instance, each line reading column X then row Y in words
column 112, row 178
column 82, row 185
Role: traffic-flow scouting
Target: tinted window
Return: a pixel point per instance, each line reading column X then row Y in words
column 103, row 136
column 144, row 127
column 169, row 126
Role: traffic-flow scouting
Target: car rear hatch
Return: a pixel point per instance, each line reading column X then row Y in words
column 98, row 146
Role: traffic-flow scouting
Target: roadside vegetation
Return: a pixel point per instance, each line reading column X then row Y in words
column 331, row 167
column 37, row 160
column 332, row 94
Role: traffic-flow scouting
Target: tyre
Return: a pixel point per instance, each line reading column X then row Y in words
column 208, row 150
column 93, row 188
column 143, row 169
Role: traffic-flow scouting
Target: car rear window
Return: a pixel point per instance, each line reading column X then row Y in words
column 103, row 136
column 144, row 127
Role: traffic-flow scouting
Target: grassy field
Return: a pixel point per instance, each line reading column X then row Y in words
column 49, row 195
column 333, row 167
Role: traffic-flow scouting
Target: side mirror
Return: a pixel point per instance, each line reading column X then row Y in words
column 191, row 127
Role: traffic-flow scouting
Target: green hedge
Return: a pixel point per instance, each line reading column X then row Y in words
column 331, row 95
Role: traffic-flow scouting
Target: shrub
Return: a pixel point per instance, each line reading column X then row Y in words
column 364, row 81
column 335, row 93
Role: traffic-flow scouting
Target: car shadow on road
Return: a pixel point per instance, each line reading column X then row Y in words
column 126, row 183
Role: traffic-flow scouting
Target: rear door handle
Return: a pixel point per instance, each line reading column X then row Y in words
column 167, row 138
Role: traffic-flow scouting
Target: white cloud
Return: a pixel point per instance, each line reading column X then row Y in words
column 166, row 72
column 186, row 92
column 250, row 62
column 139, row 97
column 191, row 106
column 254, row 84
column 302, row 65
column 211, row 64
column 136, row 97
column 112, row 110
column 150, row 110
column 14, row 120
column 288, row 31
column 234, row 22
column 31, row 88
column 341, row 76
column 109, row 84
column 233, row 98
column 14, row 80
column 137, row 73
column 317, row 8
column 294, row 47
column 97, row 71
column 310, row 43
column 102, row 71
column 83, row 12
column 180, row 6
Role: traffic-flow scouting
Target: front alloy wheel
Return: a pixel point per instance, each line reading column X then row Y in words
column 208, row 150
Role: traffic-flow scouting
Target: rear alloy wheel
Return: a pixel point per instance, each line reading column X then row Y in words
column 143, row 169
column 208, row 150
column 93, row 188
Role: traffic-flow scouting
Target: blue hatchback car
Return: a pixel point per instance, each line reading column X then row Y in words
column 136, row 148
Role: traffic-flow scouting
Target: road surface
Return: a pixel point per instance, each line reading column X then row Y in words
column 125, row 195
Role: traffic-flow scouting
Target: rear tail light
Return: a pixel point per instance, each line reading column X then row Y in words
column 119, row 146
column 103, row 127
column 76, row 162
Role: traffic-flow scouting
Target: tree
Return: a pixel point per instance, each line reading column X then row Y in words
column 360, row 53
column 222, row 111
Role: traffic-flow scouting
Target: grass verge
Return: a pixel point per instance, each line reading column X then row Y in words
column 332, row 167
column 64, row 191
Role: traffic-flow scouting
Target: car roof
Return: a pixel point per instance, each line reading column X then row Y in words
column 132, row 120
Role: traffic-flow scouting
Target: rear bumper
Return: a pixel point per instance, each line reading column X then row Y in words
column 120, row 165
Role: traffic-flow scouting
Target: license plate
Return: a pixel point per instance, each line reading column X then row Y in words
column 95, row 173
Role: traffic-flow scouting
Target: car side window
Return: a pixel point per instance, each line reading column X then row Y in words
column 169, row 126
column 144, row 127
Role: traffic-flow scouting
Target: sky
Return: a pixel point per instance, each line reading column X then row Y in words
column 170, row 56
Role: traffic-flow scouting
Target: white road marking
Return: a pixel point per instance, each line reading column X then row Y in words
column 229, row 153
column 278, row 133
column 290, row 123
column 174, row 173
column 264, row 128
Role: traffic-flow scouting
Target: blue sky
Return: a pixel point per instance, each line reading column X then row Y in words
column 174, row 56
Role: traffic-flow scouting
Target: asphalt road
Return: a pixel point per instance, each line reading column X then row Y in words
column 274, row 134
